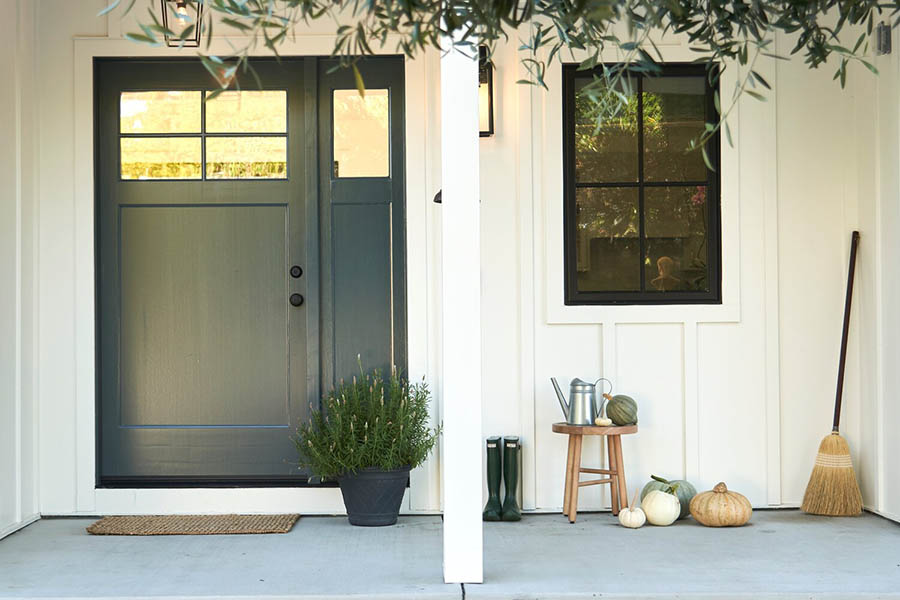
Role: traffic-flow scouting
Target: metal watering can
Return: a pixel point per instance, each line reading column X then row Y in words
column 582, row 407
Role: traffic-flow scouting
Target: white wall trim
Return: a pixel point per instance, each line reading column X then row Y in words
column 557, row 312
column 769, row 192
column 25, row 522
column 528, row 181
column 89, row 500
column 691, row 424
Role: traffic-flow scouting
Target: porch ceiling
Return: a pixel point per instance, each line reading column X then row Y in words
column 782, row 554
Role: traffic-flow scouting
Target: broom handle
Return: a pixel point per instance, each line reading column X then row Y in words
column 854, row 243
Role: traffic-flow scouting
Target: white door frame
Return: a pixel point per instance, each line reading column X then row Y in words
column 424, row 492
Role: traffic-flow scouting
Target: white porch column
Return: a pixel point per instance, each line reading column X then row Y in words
column 461, row 306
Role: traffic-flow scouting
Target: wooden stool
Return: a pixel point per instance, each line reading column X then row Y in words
column 616, row 470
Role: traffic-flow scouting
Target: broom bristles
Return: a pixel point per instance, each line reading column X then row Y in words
column 832, row 488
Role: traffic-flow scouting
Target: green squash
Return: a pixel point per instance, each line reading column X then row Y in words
column 684, row 489
column 622, row 410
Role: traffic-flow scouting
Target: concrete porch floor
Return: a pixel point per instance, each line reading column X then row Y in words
column 782, row 554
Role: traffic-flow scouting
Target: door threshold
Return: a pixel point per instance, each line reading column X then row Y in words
column 209, row 482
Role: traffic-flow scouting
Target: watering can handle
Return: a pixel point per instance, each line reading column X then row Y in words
column 607, row 381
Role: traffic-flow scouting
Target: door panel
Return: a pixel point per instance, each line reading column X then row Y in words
column 199, row 302
column 362, row 275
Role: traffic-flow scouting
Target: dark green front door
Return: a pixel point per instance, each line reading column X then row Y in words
column 238, row 267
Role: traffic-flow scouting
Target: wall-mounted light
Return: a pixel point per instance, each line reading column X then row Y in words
column 178, row 16
column 485, row 93
column 882, row 39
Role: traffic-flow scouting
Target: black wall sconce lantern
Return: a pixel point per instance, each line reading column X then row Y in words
column 178, row 16
column 485, row 93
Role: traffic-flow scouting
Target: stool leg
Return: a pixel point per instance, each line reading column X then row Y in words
column 613, row 485
column 576, row 477
column 620, row 471
column 568, row 483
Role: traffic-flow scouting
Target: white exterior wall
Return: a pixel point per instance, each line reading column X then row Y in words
column 18, row 430
column 877, row 447
column 740, row 392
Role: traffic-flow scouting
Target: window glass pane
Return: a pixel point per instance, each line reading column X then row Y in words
column 610, row 154
column 160, row 158
column 247, row 112
column 607, row 246
column 674, row 113
column 246, row 157
column 159, row 112
column 361, row 134
column 675, row 226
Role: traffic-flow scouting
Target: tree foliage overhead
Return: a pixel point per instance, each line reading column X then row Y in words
column 721, row 32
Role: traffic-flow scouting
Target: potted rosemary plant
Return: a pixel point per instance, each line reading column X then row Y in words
column 367, row 435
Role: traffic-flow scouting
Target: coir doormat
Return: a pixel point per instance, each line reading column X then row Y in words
column 193, row 524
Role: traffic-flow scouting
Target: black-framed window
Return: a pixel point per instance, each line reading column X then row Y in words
column 641, row 213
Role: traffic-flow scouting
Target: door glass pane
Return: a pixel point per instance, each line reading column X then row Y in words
column 247, row 112
column 361, row 134
column 610, row 154
column 159, row 112
column 160, row 158
column 676, row 243
column 246, row 157
column 607, row 246
column 674, row 113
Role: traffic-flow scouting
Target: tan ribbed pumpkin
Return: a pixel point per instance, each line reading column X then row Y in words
column 721, row 508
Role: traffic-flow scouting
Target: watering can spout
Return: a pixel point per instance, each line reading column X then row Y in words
column 562, row 399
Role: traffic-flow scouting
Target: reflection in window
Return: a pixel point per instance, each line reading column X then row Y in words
column 608, row 248
column 674, row 111
column 610, row 154
column 676, row 238
column 246, row 157
column 159, row 112
column 160, row 158
column 248, row 112
column 361, row 135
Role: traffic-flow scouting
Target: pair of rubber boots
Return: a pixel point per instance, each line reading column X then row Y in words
column 509, row 510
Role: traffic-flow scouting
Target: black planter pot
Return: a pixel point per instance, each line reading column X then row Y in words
column 372, row 496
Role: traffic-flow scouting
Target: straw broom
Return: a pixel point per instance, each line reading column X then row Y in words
column 832, row 489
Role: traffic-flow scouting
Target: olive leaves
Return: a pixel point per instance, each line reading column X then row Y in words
column 612, row 37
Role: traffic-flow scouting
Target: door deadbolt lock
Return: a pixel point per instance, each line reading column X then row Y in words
column 296, row 299
column 296, row 271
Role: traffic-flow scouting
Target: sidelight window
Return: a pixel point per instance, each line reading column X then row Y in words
column 641, row 210
column 173, row 134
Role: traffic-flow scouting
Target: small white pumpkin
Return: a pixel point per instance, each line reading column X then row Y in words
column 632, row 516
column 661, row 508
column 602, row 422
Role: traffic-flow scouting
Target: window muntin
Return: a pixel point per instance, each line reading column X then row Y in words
column 174, row 135
column 362, row 146
column 641, row 211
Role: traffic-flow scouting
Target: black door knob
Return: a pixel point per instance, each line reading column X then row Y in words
column 296, row 299
column 296, row 271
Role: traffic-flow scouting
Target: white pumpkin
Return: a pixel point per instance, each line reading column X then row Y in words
column 661, row 508
column 602, row 422
column 632, row 517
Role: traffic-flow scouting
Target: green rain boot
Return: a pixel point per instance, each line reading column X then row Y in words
column 511, row 510
column 492, row 508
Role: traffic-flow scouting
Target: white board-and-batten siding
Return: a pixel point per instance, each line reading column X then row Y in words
column 739, row 392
